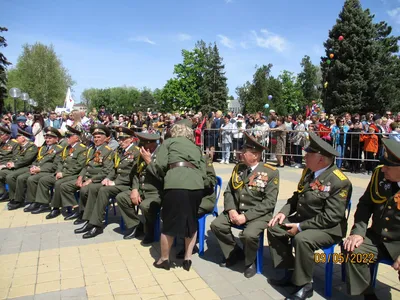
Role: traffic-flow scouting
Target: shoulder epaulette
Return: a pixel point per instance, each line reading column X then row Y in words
column 136, row 147
column 82, row 145
column 269, row 167
column 108, row 148
column 14, row 140
column 59, row 146
column 340, row 174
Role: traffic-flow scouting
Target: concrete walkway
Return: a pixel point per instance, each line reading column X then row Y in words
column 44, row 259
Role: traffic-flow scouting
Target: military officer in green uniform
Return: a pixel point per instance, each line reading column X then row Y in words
column 71, row 162
column 146, row 191
column 16, row 166
column 117, row 181
column 312, row 218
column 381, row 201
column 29, row 177
column 8, row 147
column 249, row 201
column 99, row 164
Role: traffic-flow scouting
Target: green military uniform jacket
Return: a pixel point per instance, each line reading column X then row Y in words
column 254, row 194
column 381, row 200
column 146, row 179
column 73, row 159
column 48, row 158
column 180, row 149
column 99, row 163
column 321, row 203
column 8, row 150
column 124, row 164
column 208, row 201
column 63, row 142
column 25, row 156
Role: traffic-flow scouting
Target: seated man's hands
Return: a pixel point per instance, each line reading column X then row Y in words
column 10, row 165
column 87, row 182
column 279, row 218
column 79, row 182
column 352, row 242
column 135, row 197
column 236, row 218
column 59, row 175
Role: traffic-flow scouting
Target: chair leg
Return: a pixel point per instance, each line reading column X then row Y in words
column 260, row 254
column 106, row 216
column 343, row 267
column 113, row 203
column 328, row 278
column 374, row 273
column 122, row 224
column 201, row 234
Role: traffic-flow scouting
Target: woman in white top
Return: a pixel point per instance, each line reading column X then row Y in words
column 37, row 130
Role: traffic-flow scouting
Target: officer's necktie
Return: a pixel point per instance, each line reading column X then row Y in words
column 246, row 172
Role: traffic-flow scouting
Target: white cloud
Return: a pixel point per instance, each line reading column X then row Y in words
column 269, row 40
column 244, row 45
column 227, row 42
column 395, row 14
column 184, row 37
column 144, row 39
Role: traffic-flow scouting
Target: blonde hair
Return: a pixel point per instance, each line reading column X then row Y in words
column 181, row 130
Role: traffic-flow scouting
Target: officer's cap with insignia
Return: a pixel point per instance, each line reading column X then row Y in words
column 124, row 132
column 72, row 131
column 100, row 129
column 391, row 157
column 251, row 144
column 186, row 122
column 24, row 133
column 318, row 145
column 4, row 130
column 147, row 138
column 52, row 132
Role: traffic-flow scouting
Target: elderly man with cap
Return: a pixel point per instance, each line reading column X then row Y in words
column 71, row 162
column 8, row 147
column 381, row 201
column 15, row 167
column 27, row 178
column 21, row 124
column 117, row 181
column 249, row 201
column 146, row 191
column 99, row 163
column 312, row 218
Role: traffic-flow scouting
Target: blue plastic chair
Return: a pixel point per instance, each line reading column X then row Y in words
column 202, row 220
column 112, row 202
column 374, row 269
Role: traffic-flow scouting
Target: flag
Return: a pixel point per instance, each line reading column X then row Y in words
column 69, row 102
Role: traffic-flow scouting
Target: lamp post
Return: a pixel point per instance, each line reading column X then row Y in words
column 25, row 98
column 15, row 93
column 30, row 103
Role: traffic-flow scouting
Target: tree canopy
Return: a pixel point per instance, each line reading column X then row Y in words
column 4, row 63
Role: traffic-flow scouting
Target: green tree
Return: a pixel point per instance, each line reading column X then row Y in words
column 243, row 93
column 4, row 63
column 291, row 97
column 41, row 74
column 146, row 101
column 309, row 80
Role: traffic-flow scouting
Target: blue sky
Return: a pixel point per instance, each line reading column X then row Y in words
column 136, row 43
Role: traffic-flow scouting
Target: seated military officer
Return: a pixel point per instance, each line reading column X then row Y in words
column 99, row 163
column 381, row 201
column 249, row 201
column 8, row 146
column 72, row 160
column 26, row 155
column 313, row 217
column 28, row 178
column 117, row 181
column 146, row 191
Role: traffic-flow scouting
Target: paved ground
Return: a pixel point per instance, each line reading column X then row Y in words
column 42, row 259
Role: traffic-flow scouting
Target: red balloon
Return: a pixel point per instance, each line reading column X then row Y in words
column 341, row 38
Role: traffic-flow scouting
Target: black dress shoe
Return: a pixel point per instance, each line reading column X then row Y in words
column 148, row 239
column 285, row 281
column 181, row 254
column 96, row 230
column 236, row 255
column 33, row 206
column 250, row 271
column 55, row 212
column 74, row 215
column 187, row 263
column 41, row 209
column 304, row 292
column 84, row 228
column 370, row 297
column 164, row 265
column 4, row 196
column 14, row 205
column 79, row 220
column 131, row 233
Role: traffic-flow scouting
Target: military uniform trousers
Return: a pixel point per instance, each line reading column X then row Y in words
column 68, row 190
column 304, row 243
column 358, row 276
column 3, row 175
column 222, row 228
column 97, row 201
column 150, row 206
column 48, row 182
column 27, row 183
column 11, row 180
